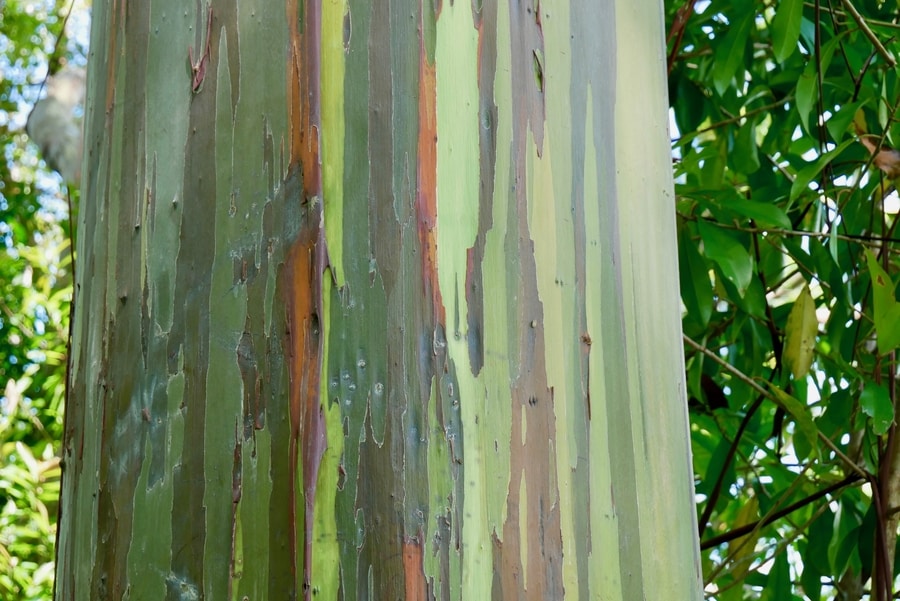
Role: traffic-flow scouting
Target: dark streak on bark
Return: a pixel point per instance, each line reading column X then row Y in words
column 236, row 490
column 226, row 14
column 486, row 22
column 380, row 549
column 189, row 338
column 382, row 222
column 280, row 221
column 582, row 470
column 304, row 269
column 247, row 363
column 156, row 378
column 118, row 477
column 530, row 391
column 594, row 33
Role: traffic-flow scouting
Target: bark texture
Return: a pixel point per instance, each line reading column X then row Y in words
column 377, row 300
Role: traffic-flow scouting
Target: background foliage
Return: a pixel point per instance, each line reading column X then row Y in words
column 786, row 113
column 35, row 288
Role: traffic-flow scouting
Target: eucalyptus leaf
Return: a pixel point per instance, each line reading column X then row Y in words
column 731, row 52
column 723, row 247
column 875, row 401
column 786, row 28
column 887, row 309
column 764, row 213
column 802, row 417
column 696, row 287
column 806, row 175
column 800, row 334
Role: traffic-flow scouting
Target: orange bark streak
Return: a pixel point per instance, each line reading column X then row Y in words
column 412, row 569
column 426, row 193
column 306, row 264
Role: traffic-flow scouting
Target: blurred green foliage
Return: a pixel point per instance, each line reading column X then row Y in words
column 35, row 292
column 787, row 217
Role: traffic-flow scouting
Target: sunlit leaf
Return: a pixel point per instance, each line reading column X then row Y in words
column 744, row 547
column 800, row 334
column 887, row 309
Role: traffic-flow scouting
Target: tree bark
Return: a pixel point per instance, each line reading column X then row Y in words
column 377, row 300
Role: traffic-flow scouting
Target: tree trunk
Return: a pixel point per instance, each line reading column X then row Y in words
column 377, row 300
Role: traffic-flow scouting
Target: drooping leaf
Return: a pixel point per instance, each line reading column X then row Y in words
column 730, row 255
column 845, row 541
column 800, row 334
column 875, row 401
column 840, row 122
column 786, row 28
column 764, row 213
column 802, row 417
column 819, row 536
column 696, row 288
column 806, row 94
column 778, row 585
column 887, row 309
column 743, row 548
column 807, row 91
column 731, row 52
column 811, row 171
column 746, row 152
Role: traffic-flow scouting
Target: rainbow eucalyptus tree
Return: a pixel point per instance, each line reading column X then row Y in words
column 377, row 300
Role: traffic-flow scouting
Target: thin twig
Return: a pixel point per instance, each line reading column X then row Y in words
column 763, row 109
column 864, row 27
column 746, row 528
column 756, row 386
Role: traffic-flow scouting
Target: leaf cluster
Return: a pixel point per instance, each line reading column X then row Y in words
column 786, row 114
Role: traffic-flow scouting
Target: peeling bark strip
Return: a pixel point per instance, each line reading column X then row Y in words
column 426, row 176
column 307, row 261
column 304, row 92
column 304, row 270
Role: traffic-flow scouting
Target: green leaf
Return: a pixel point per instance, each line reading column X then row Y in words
column 875, row 401
column 763, row 213
column 746, row 153
column 800, row 334
column 887, row 309
column 729, row 254
column 696, row 287
column 839, row 123
column 731, row 51
column 811, row 171
column 808, row 85
column 778, row 586
column 806, row 93
column 786, row 28
column 802, row 417
column 819, row 536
